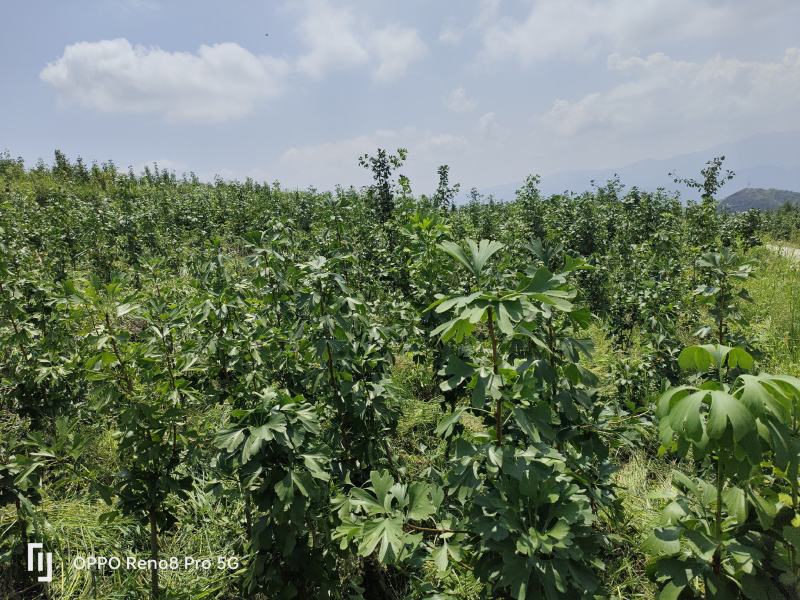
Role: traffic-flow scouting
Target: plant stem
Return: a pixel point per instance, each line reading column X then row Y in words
column 498, row 410
column 717, row 560
column 433, row 530
column 154, row 592
column 721, row 313
column 122, row 366
column 23, row 530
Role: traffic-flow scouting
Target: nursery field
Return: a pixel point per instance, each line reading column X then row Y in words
column 242, row 391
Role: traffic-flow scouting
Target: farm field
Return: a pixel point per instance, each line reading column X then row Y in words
column 378, row 393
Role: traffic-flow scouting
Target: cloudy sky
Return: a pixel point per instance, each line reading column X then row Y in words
column 495, row 88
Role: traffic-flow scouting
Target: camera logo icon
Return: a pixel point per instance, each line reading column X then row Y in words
column 43, row 563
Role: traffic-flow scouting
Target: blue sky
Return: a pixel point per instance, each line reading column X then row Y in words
column 495, row 88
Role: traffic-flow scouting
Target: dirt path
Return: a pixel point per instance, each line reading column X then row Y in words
column 793, row 253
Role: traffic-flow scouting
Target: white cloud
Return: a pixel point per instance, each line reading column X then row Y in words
column 140, row 5
column 452, row 32
column 717, row 98
column 488, row 127
column 224, row 81
column 219, row 82
column 395, row 49
column 333, row 38
column 163, row 164
column 577, row 29
column 458, row 101
column 336, row 40
column 327, row 164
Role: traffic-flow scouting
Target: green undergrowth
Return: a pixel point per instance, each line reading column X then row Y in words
column 643, row 479
column 774, row 314
column 78, row 527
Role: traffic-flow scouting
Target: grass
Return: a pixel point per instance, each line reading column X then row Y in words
column 644, row 483
column 774, row 314
column 643, row 480
column 79, row 527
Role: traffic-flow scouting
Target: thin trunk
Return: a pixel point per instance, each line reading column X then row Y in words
column 792, row 473
column 122, row 366
column 721, row 314
column 154, row 592
column 498, row 409
column 248, row 513
column 717, row 560
column 23, row 533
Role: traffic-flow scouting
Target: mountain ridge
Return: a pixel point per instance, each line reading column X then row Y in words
column 767, row 161
column 760, row 198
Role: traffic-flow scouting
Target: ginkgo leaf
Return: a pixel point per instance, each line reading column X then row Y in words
column 701, row 358
column 456, row 371
column 735, row 504
column 382, row 482
column 457, row 252
column 388, row 532
column 728, row 409
column 439, row 556
column 757, row 399
column 230, row 439
column 663, row 541
column 672, row 394
column 364, row 499
column 695, row 358
column 685, row 416
column 420, row 506
column 479, row 253
column 740, row 358
column 459, row 301
column 448, row 422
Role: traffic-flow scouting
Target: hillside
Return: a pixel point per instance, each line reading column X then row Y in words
column 763, row 199
column 764, row 160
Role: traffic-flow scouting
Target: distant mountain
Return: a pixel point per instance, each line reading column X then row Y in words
column 760, row 198
column 769, row 160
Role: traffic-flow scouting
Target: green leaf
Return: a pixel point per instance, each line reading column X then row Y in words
column 266, row 432
column 684, row 416
column 669, row 397
column 313, row 463
column 388, row 532
column 456, row 371
column 364, row 499
column 670, row 591
column 229, row 439
column 382, row 482
column 504, row 320
column 457, row 252
column 439, row 556
column 560, row 530
column 496, row 455
column 478, row 254
column 740, row 358
column 251, row 447
column 702, row 544
column 481, row 252
column 447, row 424
column 124, row 309
column 757, row 398
column 420, row 506
column 663, row 541
column 726, row 408
column 695, row 358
